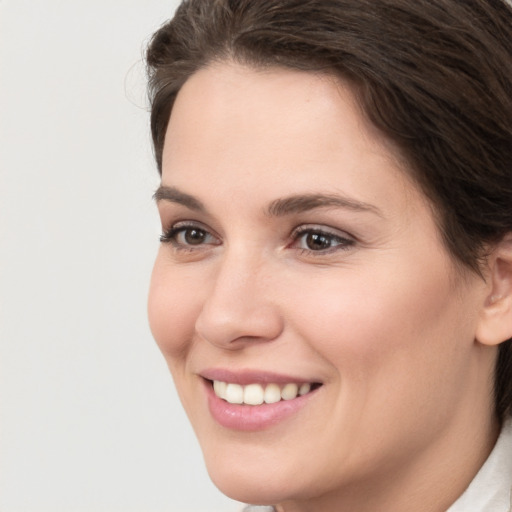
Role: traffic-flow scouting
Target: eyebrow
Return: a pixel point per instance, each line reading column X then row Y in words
column 277, row 208
column 173, row 195
column 304, row 202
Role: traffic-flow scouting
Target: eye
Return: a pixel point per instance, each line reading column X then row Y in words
column 314, row 239
column 191, row 236
column 187, row 236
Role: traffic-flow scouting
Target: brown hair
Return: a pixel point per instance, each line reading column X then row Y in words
column 435, row 76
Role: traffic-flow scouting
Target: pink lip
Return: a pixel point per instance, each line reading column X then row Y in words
column 251, row 417
column 251, row 377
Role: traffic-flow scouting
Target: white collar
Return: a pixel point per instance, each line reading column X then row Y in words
column 491, row 489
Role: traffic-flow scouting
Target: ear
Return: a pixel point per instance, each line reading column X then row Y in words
column 495, row 322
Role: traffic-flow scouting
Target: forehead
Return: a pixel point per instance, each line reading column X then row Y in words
column 274, row 129
column 280, row 96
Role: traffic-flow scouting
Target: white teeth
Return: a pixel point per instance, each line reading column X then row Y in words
column 272, row 394
column 256, row 394
column 304, row 388
column 220, row 388
column 253, row 394
column 289, row 392
column 234, row 394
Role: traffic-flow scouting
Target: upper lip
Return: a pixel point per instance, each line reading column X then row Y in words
column 252, row 376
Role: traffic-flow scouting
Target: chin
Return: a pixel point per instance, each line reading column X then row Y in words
column 252, row 479
column 256, row 489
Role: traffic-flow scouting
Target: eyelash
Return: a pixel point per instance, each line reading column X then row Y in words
column 170, row 236
column 342, row 243
column 337, row 241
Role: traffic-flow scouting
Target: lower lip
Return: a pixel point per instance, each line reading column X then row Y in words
column 253, row 417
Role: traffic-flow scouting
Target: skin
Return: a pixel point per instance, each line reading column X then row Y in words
column 383, row 318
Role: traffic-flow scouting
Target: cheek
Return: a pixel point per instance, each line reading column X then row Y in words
column 172, row 310
column 395, row 351
column 384, row 326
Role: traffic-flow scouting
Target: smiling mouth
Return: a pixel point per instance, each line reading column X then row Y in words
column 257, row 394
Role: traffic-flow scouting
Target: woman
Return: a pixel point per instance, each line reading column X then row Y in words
column 333, row 291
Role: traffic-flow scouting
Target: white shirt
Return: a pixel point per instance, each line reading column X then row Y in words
column 491, row 489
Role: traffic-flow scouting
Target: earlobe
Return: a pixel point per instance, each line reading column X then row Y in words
column 495, row 322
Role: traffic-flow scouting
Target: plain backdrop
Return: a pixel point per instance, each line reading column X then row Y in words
column 89, row 419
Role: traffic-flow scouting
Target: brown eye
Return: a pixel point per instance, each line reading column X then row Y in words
column 318, row 241
column 194, row 236
column 315, row 240
column 183, row 236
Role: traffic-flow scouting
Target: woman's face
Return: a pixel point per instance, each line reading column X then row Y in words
column 296, row 251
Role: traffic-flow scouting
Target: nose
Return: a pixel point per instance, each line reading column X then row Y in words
column 240, row 305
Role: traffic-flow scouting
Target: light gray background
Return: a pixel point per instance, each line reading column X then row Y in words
column 89, row 419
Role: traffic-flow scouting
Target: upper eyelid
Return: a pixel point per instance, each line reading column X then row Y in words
column 188, row 223
column 170, row 219
column 184, row 224
column 319, row 228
